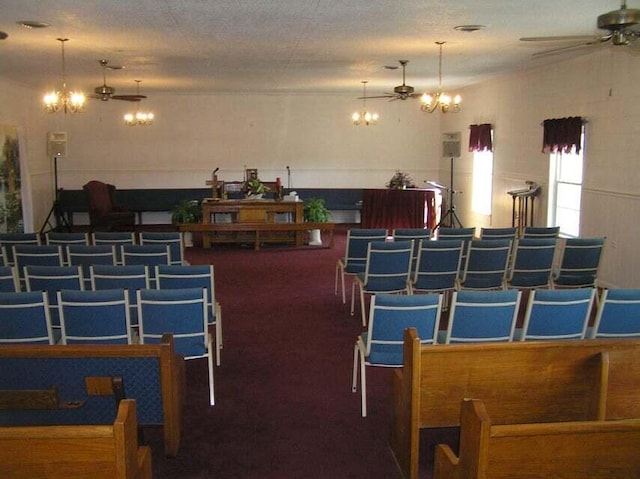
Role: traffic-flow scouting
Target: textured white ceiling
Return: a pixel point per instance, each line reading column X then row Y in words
column 280, row 46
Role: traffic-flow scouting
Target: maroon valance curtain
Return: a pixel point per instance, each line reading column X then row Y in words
column 480, row 137
column 562, row 134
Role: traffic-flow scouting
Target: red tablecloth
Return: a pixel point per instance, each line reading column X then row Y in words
column 392, row 209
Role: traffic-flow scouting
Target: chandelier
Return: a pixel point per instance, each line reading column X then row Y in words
column 364, row 116
column 139, row 117
column 64, row 100
column 442, row 100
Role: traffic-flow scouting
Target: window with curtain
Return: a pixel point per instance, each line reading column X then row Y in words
column 481, row 144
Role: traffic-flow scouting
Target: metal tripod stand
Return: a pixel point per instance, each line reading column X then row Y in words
column 55, row 212
column 450, row 218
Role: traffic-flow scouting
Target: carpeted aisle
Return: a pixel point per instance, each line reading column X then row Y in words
column 284, row 407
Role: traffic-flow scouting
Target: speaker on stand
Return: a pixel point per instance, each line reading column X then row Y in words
column 451, row 149
column 56, row 148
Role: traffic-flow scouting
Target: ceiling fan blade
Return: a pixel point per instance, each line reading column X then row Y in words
column 128, row 97
column 379, row 96
column 568, row 48
column 566, row 38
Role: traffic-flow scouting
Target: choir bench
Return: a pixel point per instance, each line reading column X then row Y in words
column 82, row 380
column 61, row 452
column 518, row 382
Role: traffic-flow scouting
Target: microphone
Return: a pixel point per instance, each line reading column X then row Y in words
column 215, row 171
column 287, row 167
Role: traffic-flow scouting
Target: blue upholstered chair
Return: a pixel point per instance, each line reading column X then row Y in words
column 557, row 314
column 64, row 239
column 116, row 238
column 36, row 255
column 417, row 235
column 9, row 282
column 580, row 263
column 8, row 240
column 499, row 233
column 94, row 317
column 195, row 276
column 52, row 279
column 355, row 256
column 486, row 265
column 382, row 344
column 174, row 239
column 25, row 318
column 183, row 313
column 87, row 255
column 539, row 232
column 387, row 270
column 618, row 314
column 482, row 316
column 438, row 266
column 532, row 263
column 149, row 255
column 464, row 234
column 132, row 278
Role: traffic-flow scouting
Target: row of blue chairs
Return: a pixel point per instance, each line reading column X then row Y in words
column 174, row 239
column 482, row 316
column 131, row 278
column 102, row 317
column 422, row 265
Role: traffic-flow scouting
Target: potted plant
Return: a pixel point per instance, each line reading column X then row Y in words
column 255, row 188
column 400, row 180
column 187, row 211
column 315, row 211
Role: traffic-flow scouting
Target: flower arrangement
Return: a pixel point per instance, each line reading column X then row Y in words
column 400, row 180
column 256, row 187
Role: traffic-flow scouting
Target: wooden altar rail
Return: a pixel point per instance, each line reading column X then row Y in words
column 258, row 228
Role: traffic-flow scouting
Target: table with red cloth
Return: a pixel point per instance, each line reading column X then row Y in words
column 391, row 209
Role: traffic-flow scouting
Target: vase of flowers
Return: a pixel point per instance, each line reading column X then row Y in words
column 400, row 181
column 256, row 189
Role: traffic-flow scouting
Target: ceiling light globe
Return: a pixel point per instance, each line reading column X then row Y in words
column 457, row 100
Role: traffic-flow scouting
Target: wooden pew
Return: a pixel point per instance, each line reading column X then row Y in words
column 538, row 381
column 82, row 375
column 62, row 452
column 571, row 450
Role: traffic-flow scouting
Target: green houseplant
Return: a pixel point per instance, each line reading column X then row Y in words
column 255, row 187
column 315, row 211
column 186, row 211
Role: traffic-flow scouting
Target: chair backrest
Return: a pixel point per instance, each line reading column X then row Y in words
column 357, row 242
column 181, row 312
column 498, row 233
column 580, row 262
column 64, row 239
column 388, row 266
column 390, row 315
column 25, row 318
column 486, row 264
column 94, row 317
column 541, row 232
column 464, row 234
column 52, row 279
column 532, row 263
column 101, row 197
column 188, row 276
column 618, row 314
column 557, row 314
column 174, row 239
column 8, row 240
column 87, row 255
column 36, row 255
column 116, row 238
column 415, row 234
column 149, row 255
column 132, row 278
column 9, row 282
column 479, row 316
column 438, row 266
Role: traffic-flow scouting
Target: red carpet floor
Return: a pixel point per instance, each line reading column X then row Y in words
column 284, row 406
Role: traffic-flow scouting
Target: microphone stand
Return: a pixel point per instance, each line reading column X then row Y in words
column 288, row 178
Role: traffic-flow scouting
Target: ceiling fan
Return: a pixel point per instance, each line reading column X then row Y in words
column 105, row 92
column 401, row 92
column 623, row 26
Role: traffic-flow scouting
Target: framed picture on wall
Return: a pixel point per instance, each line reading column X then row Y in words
column 251, row 174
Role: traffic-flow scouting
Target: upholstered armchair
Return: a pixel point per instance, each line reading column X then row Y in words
column 104, row 214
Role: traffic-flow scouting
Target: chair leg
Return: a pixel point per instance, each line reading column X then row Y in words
column 354, row 382
column 212, row 400
column 353, row 296
column 363, row 384
column 363, row 313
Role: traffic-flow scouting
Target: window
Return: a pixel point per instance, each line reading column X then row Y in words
column 482, row 187
column 565, row 190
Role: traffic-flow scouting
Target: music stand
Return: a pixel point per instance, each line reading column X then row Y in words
column 55, row 212
column 450, row 214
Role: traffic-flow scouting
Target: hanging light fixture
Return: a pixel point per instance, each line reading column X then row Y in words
column 64, row 100
column 139, row 117
column 364, row 116
column 440, row 99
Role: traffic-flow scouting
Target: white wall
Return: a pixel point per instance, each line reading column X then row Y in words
column 602, row 87
column 312, row 134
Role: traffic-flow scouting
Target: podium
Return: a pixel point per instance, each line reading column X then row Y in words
column 523, row 206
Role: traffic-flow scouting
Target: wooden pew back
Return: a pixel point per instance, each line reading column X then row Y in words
column 61, row 452
column 571, row 450
column 541, row 381
column 152, row 374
